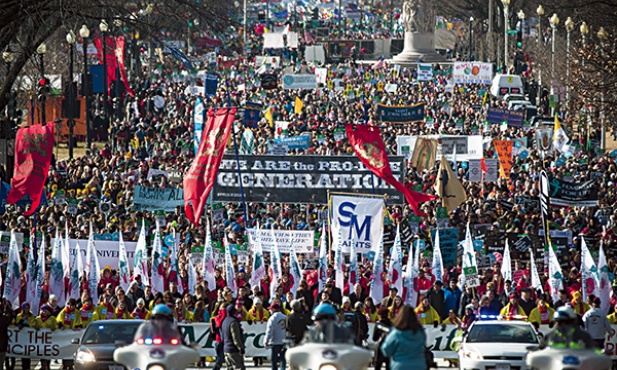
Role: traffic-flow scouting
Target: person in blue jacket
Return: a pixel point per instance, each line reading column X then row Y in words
column 406, row 341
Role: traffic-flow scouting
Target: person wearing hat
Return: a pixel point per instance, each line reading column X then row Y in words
column 526, row 301
column 258, row 313
column 596, row 323
column 275, row 336
column 46, row 321
column 513, row 311
column 579, row 306
column 140, row 312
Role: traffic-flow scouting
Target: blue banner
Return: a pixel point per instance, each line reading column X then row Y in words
column 514, row 117
column 448, row 241
column 252, row 114
column 96, row 71
column 281, row 15
column 199, row 116
column 294, row 142
column 212, row 82
column 400, row 114
column 180, row 56
column 23, row 202
column 149, row 198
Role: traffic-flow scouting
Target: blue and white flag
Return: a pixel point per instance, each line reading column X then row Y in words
column 93, row 267
column 323, row 259
column 180, row 56
column 211, row 83
column 230, row 274
column 12, row 282
column 199, row 116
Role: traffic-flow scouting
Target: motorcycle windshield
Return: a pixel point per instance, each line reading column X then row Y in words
column 328, row 332
column 158, row 332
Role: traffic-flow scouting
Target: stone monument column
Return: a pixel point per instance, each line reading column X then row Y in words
column 420, row 18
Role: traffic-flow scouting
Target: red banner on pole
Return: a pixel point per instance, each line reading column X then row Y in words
column 201, row 176
column 110, row 57
column 33, row 150
column 369, row 147
column 122, row 68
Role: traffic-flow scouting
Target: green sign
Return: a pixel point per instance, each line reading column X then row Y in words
column 442, row 212
column 470, row 270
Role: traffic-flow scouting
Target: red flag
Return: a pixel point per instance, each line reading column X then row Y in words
column 122, row 68
column 369, row 147
column 33, row 149
column 110, row 57
column 201, row 176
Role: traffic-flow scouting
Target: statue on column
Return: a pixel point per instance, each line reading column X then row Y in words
column 419, row 16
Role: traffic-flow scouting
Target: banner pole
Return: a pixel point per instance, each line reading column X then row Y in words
column 246, row 220
column 366, row 123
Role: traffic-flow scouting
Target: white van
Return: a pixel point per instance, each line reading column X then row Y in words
column 506, row 84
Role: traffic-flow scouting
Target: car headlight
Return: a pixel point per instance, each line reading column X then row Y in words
column 472, row 355
column 83, row 356
column 156, row 367
column 328, row 367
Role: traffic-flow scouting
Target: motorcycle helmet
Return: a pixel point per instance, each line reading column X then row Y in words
column 324, row 311
column 564, row 313
column 161, row 311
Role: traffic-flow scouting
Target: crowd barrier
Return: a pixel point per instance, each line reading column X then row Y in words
column 44, row 344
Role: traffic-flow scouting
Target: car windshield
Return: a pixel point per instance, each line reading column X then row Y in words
column 101, row 333
column 501, row 333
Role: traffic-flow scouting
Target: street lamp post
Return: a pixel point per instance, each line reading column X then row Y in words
column 506, row 5
column 470, row 38
column 540, row 12
column 603, row 36
column 104, row 28
column 84, row 32
column 521, row 18
column 8, row 58
column 569, row 27
column 41, row 50
column 70, row 39
column 554, row 21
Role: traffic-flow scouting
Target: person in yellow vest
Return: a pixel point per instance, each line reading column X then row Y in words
column 105, row 310
column 542, row 314
column 427, row 315
column 513, row 311
column 88, row 312
column 258, row 313
column 25, row 318
column 122, row 311
column 69, row 318
column 579, row 306
column 46, row 321
column 181, row 312
column 452, row 319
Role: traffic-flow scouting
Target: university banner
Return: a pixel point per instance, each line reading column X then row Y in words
column 107, row 251
column 150, row 198
column 472, row 73
column 33, row 149
column 357, row 220
column 400, row 114
column 303, row 179
column 514, row 118
column 573, row 194
column 303, row 241
column 44, row 344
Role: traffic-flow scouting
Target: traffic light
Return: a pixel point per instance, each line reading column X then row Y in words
column 44, row 88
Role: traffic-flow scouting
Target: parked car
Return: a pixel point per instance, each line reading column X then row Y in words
column 99, row 341
column 497, row 345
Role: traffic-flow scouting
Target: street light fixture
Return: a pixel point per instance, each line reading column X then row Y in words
column 569, row 23
column 41, row 50
column 554, row 21
column 104, row 28
column 506, row 5
column 470, row 37
column 584, row 32
column 603, row 36
column 84, row 32
column 70, row 104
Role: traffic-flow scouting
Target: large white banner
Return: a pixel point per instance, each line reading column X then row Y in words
column 467, row 147
column 273, row 40
column 44, row 344
column 108, row 251
column 303, row 241
column 359, row 220
column 472, row 73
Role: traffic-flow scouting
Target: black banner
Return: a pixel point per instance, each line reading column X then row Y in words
column 300, row 179
column 269, row 81
column 400, row 114
column 573, row 194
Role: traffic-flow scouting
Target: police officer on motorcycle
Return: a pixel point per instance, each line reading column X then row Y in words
column 327, row 328
column 567, row 333
column 161, row 325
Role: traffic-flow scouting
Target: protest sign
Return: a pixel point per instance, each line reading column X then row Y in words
column 400, row 114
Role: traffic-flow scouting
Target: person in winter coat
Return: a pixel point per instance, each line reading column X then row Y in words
column 360, row 325
column 542, row 314
column 233, row 340
column 406, row 341
column 46, row 321
column 427, row 315
column 436, row 296
column 275, row 336
column 382, row 327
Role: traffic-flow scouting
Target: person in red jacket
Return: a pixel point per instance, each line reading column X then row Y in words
column 215, row 325
column 106, row 279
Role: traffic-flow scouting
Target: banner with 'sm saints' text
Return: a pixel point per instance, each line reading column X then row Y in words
column 44, row 344
column 357, row 220
column 300, row 179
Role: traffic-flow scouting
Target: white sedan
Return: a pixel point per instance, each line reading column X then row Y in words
column 496, row 345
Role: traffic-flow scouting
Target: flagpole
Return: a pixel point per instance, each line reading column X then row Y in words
column 366, row 123
column 246, row 221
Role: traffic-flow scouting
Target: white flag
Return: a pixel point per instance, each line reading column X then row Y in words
column 259, row 268
column 77, row 270
column 12, row 282
column 31, row 278
column 437, row 260
column 158, row 277
column 276, row 268
column 560, row 139
column 377, row 283
column 339, row 262
column 589, row 272
column 555, row 278
column 230, row 274
column 469, row 255
column 192, row 277
column 294, row 270
column 140, row 261
column 123, row 265
column 604, row 287
column 535, row 278
column 40, row 278
column 174, row 268
column 94, row 269
column 353, row 265
column 322, row 269
column 56, row 271
column 506, row 265
column 207, row 263
column 411, row 274
column 396, row 263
